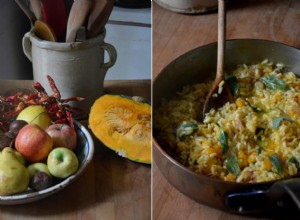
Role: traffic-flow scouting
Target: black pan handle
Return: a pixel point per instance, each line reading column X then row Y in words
column 289, row 186
column 263, row 200
column 248, row 202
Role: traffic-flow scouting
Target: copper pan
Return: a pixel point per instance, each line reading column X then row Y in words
column 196, row 66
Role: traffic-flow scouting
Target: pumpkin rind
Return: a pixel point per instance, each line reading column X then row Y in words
column 123, row 125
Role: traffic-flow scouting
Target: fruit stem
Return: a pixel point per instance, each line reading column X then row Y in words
column 58, row 156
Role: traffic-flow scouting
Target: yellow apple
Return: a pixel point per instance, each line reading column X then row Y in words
column 35, row 114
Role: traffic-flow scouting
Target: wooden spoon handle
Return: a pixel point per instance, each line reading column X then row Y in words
column 99, row 17
column 221, row 39
column 78, row 15
column 36, row 6
column 26, row 11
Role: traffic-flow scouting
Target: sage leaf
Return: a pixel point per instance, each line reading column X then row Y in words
column 272, row 82
column 275, row 160
column 294, row 161
column 254, row 108
column 278, row 120
column 233, row 84
column 232, row 165
column 224, row 141
column 186, row 128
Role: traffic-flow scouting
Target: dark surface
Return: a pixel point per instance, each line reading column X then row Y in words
column 133, row 3
column 13, row 25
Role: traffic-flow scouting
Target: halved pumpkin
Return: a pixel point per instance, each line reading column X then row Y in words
column 123, row 124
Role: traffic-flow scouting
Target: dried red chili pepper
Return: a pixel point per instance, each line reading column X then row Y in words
column 58, row 109
column 55, row 91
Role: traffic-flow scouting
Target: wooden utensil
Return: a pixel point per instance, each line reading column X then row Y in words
column 37, row 9
column 81, row 34
column 41, row 29
column 44, row 31
column 26, row 11
column 219, row 93
column 99, row 17
column 55, row 14
column 68, row 5
column 77, row 17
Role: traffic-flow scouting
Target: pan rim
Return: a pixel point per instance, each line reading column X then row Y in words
column 182, row 167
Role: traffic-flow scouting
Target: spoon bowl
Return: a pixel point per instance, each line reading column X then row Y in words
column 41, row 29
column 44, row 31
column 219, row 93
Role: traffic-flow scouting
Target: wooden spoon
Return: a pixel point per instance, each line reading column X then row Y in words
column 41, row 29
column 99, row 17
column 37, row 9
column 216, row 98
column 44, row 31
column 77, row 17
column 55, row 14
column 26, row 11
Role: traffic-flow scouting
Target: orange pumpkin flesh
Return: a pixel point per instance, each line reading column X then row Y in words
column 123, row 125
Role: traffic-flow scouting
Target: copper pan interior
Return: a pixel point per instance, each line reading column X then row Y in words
column 195, row 66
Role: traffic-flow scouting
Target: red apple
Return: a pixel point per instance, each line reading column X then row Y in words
column 63, row 135
column 33, row 143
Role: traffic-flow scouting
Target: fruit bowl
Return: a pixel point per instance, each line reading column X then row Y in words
column 84, row 152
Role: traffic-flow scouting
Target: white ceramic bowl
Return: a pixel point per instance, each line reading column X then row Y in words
column 84, row 152
column 189, row 6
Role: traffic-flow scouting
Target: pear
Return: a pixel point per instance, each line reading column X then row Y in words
column 14, row 176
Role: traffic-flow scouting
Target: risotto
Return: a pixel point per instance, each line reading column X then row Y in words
column 254, row 139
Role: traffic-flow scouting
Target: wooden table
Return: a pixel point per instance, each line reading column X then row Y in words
column 175, row 34
column 111, row 187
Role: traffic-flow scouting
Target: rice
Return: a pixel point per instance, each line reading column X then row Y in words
column 254, row 139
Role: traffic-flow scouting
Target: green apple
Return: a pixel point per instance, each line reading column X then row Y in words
column 35, row 114
column 62, row 162
column 37, row 167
